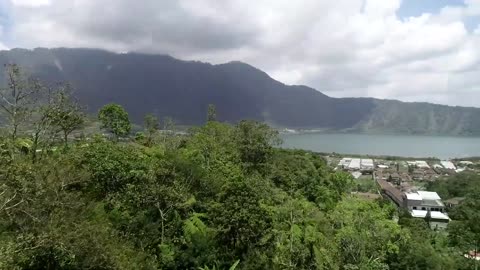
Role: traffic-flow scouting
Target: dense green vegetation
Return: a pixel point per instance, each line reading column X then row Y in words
column 457, row 185
column 220, row 197
column 464, row 230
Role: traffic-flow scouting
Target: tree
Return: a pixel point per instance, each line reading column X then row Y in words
column 255, row 142
column 115, row 119
column 151, row 126
column 365, row 234
column 211, row 113
column 240, row 217
column 42, row 122
column 17, row 98
column 66, row 114
column 464, row 231
column 168, row 129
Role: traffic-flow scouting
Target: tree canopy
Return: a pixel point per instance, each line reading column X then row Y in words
column 221, row 196
column 115, row 119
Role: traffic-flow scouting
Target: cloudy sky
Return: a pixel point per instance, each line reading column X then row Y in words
column 412, row 50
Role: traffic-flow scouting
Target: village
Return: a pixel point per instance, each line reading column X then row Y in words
column 404, row 182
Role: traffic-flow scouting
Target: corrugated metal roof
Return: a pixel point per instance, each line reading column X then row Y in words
column 413, row 196
column 429, row 195
column 433, row 214
column 448, row 165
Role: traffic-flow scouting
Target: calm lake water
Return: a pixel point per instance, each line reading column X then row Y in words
column 393, row 145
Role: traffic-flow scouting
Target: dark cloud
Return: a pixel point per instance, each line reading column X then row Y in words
column 344, row 47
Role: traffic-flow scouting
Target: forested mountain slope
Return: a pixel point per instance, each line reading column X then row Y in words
column 183, row 89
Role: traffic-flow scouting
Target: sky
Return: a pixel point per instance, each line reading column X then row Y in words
column 411, row 50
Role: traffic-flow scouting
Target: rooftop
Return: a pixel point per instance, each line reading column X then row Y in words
column 429, row 195
column 354, row 164
column 448, row 165
column 426, row 197
column 433, row 214
column 466, row 162
column 419, row 163
column 413, row 196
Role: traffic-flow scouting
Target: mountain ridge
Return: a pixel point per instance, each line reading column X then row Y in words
column 165, row 86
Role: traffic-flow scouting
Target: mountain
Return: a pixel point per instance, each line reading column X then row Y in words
column 167, row 86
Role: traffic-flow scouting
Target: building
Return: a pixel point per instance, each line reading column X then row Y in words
column 367, row 165
column 354, row 164
column 427, row 205
column 448, row 165
column 436, row 220
column 423, row 200
column 422, row 164
column 437, row 166
column 465, row 163
column 344, row 163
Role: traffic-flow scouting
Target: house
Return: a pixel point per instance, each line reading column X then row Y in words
column 367, row 165
column 418, row 164
column 382, row 166
column 423, row 200
column 427, row 205
column 436, row 220
column 437, row 166
column 465, row 163
column 354, row 164
column 448, row 165
column 344, row 163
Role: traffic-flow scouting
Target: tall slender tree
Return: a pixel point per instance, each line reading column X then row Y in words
column 151, row 126
column 211, row 113
column 17, row 99
column 65, row 113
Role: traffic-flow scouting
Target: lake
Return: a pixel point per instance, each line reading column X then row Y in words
column 443, row 147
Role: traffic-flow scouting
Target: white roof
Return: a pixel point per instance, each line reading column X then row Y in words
column 367, row 164
column 354, row 164
column 421, row 164
column 418, row 163
column 429, row 195
column 448, row 164
column 466, row 162
column 367, row 161
column 344, row 162
column 381, row 166
column 413, row 196
column 433, row 214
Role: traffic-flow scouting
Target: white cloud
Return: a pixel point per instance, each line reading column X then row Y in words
column 31, row 3
column 2, row 46
column 477, row 30
column 341, row 47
